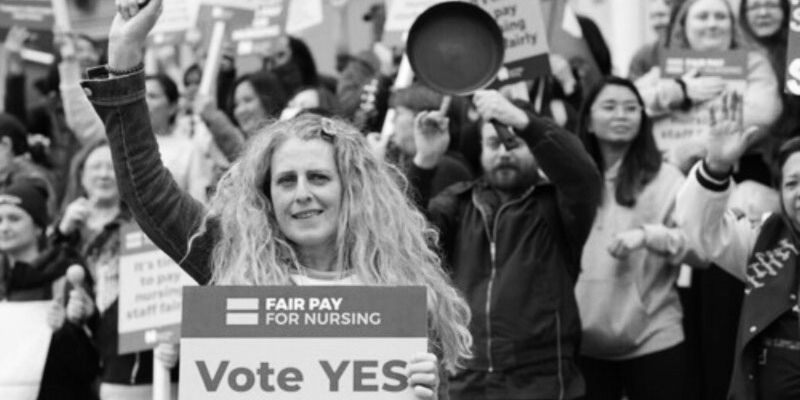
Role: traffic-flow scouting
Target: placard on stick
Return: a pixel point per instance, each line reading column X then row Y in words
column 681, row 127
column 400, row 15
column 268, row 26
column 236, row 14
column 150, row 293
column 303, row 15
column 35, row 15
column 175, row 20
column 300, row 342
column 525, row 36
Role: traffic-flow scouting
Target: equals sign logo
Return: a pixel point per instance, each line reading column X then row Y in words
column 241, row 311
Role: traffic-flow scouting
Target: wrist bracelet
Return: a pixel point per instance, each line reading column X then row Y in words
column 687, row 102
column 120, row 72
column 716, row 175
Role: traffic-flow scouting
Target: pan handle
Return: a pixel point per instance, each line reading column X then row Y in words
column 507, row 138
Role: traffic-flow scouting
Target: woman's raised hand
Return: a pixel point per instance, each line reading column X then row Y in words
column 75, row 216
column 431, row 137
column 15, row 38
column 423, row 375
column 128, row 34
column 727, row 139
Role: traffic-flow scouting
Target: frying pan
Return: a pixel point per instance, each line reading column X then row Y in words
column 457, row 48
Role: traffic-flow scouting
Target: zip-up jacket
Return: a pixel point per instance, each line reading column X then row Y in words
column 517, row 263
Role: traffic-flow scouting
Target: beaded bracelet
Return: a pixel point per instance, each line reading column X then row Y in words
column 120, row 72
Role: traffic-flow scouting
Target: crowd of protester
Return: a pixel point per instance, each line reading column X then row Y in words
column 592, row 264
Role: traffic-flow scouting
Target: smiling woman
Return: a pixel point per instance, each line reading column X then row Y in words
column 628, row 303
column 710, row 26
column 306, row 193
column 306, row 203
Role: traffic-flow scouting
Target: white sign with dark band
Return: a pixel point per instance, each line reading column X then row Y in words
column 689, row 127
column 525, row 38
column 296, row 342
column 150, row 293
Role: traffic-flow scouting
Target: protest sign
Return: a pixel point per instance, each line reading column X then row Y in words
column 150, row 293
column 300, row 342
column 35, row 15
column 565, row 38
column 792, row 84
column 524, row 33
column 303, row 14
column 24, row 342
column 268, row 26
column 176, row 19
column 236, row 14
column 400, row 15
column 680, row 127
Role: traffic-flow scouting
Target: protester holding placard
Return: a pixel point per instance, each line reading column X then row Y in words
column 659, row 14
column 305, row 204
column 29, row 267
column 92, row 221
column 703, row 26
column 766, row 22
column 633, row 340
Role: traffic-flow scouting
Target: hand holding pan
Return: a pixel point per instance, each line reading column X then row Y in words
column 457, row 48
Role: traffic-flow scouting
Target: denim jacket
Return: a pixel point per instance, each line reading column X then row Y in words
column 168, row 215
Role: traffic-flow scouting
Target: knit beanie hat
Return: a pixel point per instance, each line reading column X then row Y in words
column 29, row 197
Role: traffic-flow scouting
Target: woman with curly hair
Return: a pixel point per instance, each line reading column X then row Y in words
column 305, row 204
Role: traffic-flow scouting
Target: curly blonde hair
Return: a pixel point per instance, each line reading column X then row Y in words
column 381, row 237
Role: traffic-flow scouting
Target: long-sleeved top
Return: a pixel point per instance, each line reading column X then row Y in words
column 629, row 307
column 763, row 256
column 227, row 136
column 166, row 214
column 517, row 263
column 188, row 153
column 78, row 111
